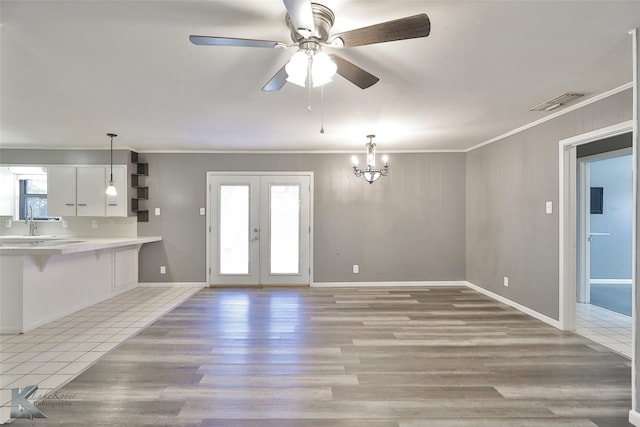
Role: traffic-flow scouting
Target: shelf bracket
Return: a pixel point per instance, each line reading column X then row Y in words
column 41, row 261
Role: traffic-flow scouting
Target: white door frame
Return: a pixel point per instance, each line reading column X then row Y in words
column 208, row 230
column 567, row 213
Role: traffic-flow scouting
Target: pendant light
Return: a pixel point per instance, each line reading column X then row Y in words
column 111, row 189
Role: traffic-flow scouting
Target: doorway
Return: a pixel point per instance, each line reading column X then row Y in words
column 568, row 217
column 605, row 222
column 587, row 319
column 259, row 229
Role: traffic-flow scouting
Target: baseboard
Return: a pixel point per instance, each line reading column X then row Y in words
column 546, row 319
column 173, row 285
column 634, row 418
column 610, row 281
column 385, row 284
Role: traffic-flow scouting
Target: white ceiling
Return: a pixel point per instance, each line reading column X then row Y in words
column 71, row 71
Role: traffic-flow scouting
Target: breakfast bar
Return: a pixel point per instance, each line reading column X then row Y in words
column 45, row 278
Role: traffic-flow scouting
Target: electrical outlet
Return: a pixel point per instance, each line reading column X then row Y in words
column 163, row 269
column 94, row 223
column 356, row 269
column 65, row 223
column 505, row 282
column 7, row 223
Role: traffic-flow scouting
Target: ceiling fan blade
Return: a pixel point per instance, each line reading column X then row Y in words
column 356, row 75
column 301, row 16
column 400, row 29
column 230, row 41
column 277, row 81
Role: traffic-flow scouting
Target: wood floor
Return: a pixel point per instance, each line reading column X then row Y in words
column 375, row 357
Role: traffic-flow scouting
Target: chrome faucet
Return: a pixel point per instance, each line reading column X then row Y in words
column 33, row 226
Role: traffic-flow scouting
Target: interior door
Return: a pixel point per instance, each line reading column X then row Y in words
column 260, row 230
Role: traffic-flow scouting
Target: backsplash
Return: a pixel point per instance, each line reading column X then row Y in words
column 75, row 226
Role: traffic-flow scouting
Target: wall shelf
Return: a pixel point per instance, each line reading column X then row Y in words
column 141, row 191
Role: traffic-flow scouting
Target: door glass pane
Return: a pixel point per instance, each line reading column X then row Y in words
column 234, row 229
column 285, row 229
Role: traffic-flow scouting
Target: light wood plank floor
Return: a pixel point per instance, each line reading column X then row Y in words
column 348, row 357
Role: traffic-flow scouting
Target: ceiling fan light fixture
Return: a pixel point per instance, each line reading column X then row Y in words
column 322, row 69
column 296, row 68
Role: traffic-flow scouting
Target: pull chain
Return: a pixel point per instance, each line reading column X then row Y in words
column 310, row 81
column 322, row 109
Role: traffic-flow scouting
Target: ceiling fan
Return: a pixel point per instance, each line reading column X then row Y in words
column 310, row 25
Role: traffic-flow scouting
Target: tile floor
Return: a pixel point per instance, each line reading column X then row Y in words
column 54, row 354
column 606, row 327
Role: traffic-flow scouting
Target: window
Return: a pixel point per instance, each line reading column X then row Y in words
column 22, row 187
column 33, row 194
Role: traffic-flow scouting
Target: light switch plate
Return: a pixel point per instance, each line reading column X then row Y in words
column 157, row 211
column 548, row 208
column 202, row 211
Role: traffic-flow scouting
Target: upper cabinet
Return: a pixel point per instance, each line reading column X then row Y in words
column 80, row 191
column 61, row 191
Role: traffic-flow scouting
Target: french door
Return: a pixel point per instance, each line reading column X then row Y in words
column 260, row 229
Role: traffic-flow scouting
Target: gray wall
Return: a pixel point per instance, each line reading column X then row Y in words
column 507, row 184
column 611, row 255
column 408, row 226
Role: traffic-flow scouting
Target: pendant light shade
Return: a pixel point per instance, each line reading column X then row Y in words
column 111, row 189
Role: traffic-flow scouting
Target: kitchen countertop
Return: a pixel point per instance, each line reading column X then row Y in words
column 62, row 245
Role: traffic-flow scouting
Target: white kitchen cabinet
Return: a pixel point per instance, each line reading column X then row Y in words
column 90, row 188
column 61, row 191
column 80, row 191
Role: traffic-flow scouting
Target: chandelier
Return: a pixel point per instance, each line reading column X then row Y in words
column 312, row 64
column 370, row 173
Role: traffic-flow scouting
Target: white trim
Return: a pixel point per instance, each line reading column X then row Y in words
column 611, row 281
column 546, row 319
column 634, row 418
column 386, row 284
column 634, row 238
column 554, row 115
column 567, row 221
column 461, row 150
column 172, row 285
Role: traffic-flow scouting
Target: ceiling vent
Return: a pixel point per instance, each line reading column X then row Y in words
column 556, row 102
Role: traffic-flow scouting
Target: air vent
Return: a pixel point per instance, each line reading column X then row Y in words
column 556, row 102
